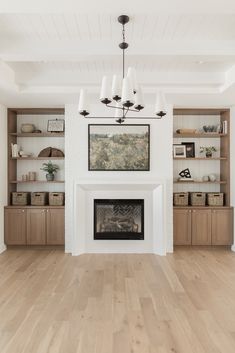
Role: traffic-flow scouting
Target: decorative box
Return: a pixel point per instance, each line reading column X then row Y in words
column 180, row 199
column 39, row 198
column 215, row 198
column 20, row 198
column 197, row 198
column 56, row 198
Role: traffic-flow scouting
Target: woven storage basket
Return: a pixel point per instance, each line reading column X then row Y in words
column 39, row 198
column 197, row 198
column 20, row 198
column 56, row 198
column 215, row 198
column 180, row 199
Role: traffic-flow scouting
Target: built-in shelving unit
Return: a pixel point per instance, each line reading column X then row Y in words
column 199, row 166
column 203, row 225
column 33, row 143
column 34, row 225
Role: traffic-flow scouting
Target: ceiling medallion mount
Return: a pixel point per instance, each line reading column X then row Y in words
column 125, row 91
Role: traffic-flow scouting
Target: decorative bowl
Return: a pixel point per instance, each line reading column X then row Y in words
column 27, row 128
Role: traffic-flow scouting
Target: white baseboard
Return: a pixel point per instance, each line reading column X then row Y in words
column 2, row 248
column 233, row 247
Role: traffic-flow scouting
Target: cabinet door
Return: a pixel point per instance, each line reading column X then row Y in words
column 182, row 227
column 55, row 226
column 222, row 227
column 201, row 227
column 15, row 226
column 36, row 226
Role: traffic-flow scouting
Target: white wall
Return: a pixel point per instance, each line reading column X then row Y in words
column 3, row 171
column 76, row 161
column 232, row 161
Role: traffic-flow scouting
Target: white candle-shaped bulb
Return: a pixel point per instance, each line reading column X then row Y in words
column 105, row 91
column 160, row 107
column 83, row 106
column 116, row 88
column 131, row 74
column 139, row 99
column 127, row 93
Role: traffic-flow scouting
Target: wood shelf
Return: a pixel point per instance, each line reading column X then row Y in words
column 206, row 135
column 201, row 159
column 30, row 206
column 204, row 207
column 36, row 158
column 36, row 182
column 200, row 182
column 43, row 134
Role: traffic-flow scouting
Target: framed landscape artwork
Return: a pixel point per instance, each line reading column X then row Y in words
column 118, row 147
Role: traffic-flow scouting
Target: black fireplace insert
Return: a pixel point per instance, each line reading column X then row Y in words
column 119, row 219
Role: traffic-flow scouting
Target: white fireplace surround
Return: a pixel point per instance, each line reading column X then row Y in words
column 153, row 193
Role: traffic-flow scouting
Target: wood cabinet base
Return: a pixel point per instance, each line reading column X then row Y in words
column 34, row 226
column 203, row 226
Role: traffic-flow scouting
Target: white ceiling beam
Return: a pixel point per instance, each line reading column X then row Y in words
column 121, row 6
column 74, row 50
column 7, row 78
column 58, row 77
column 229, row 79
column 94, row 90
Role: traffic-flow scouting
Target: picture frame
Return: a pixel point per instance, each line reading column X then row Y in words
column 113, row 147
column 190, row 149
column 55, row 125
column 179, row 151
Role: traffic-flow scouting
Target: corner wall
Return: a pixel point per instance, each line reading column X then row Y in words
column 232, row 164
column 3, row 171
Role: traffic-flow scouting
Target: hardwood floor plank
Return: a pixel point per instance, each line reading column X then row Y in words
column 51, row 302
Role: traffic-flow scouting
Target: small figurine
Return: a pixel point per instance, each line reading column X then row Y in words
column 185, row 173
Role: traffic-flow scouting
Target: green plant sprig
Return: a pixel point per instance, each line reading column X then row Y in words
column 50, row 168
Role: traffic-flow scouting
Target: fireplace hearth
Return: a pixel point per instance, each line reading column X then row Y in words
column 119, row 219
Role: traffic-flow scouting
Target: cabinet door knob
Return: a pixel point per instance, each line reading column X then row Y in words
column 22, row 210
column 190, row 211
column 47, row 211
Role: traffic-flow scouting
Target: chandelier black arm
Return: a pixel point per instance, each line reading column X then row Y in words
column 122, row 108
column 128, row 117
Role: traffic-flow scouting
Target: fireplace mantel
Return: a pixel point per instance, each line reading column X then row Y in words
column 153, row 192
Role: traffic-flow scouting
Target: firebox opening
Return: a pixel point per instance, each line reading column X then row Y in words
column 119, row 219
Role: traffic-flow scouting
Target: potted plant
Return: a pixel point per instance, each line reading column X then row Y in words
column 208, row 150
column 51, row 169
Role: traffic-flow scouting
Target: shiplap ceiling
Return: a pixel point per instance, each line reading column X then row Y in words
column 57, row 53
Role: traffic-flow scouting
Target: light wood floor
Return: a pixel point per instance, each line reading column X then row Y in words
column 53, row 302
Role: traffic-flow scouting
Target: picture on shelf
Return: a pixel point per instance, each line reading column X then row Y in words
column 118, row 147
column 55, row 125
column 179, row 151
column 190, row 149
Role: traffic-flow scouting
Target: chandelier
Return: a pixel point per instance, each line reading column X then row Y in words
column 125, row 95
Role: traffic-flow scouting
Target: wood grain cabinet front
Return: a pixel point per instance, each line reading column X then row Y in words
column 201, row 227
column 182, row 227
column 55, row 227
column 34, row 226
column 222, row 227
column 15, row 226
